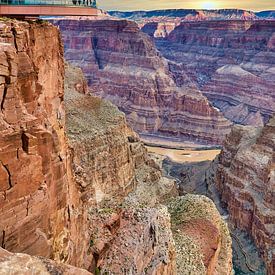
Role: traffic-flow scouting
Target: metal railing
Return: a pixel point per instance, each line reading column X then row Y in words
column 83, row 3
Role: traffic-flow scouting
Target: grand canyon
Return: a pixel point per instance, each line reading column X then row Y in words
column 138, row 142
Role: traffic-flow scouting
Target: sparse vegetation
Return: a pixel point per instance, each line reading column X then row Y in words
column 97, row 271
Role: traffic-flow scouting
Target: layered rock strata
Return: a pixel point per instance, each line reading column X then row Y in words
column 232, row 62
column 121, row 64
column 187, row 15
column 245, row 180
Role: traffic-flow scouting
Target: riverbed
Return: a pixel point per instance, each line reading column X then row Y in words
column 184, row 155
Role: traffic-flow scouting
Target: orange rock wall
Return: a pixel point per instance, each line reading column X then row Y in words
column 37, row 193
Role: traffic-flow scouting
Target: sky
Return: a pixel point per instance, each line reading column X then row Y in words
column 255, row 5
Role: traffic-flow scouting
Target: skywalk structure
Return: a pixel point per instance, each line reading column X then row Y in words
column 36, row 8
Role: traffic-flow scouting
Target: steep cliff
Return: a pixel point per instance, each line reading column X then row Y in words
column 35, row 174
column 122, row 65
column 245, row 180
column 231, row 61
column 51, row 190
column 120, row 185
column 110, row 162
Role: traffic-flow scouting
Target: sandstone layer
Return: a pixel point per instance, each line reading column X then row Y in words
column 245, row 180
column 122, row 64
column 231, row 62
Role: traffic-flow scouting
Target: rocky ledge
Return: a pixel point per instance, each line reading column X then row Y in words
column 18, row 263
column 203, row 241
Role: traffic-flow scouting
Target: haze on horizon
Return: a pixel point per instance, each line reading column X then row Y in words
column 129, row 5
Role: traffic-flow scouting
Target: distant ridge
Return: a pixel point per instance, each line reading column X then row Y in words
column 266, row 14
column 194, row 14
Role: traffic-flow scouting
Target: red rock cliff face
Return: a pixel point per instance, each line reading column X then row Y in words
column 35, row 191
column 232, row 63
column 122, row 65
column 246, row 182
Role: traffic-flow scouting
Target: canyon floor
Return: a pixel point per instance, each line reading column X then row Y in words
column 190, row 168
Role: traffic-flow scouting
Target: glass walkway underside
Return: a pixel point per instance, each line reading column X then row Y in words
column 84, row 3
column 25, row 8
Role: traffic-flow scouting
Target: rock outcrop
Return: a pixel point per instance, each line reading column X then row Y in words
column 122, row 64
column 203, row 241
column 231, row 61
column 245, row 180
column 18, row 263
column 120, row 186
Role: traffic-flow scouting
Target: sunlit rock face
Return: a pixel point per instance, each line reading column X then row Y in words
column 232, row 62
column 245, row 180
column 122, row 64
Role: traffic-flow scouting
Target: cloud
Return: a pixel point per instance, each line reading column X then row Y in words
column 186, row 4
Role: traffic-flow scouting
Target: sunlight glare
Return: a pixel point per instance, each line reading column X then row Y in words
column 208, row 5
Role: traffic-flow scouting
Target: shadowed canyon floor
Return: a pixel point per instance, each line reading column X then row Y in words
column 192, row 176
